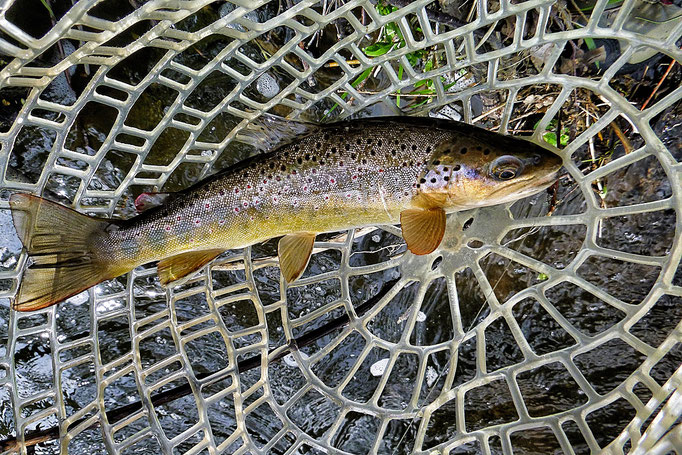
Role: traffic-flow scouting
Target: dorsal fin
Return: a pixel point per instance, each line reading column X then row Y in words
column 269, row 132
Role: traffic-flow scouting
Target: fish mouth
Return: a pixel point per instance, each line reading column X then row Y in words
column 527, row 187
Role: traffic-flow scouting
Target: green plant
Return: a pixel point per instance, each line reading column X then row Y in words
column 550, row 135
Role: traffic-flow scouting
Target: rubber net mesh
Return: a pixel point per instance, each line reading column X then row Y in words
column 523, row 333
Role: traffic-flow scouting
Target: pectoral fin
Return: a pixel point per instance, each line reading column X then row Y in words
column 423, row 229
column 176, row 267
column 294, row 252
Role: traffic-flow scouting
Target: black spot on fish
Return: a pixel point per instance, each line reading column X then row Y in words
column 299, row 160
column 286, row 154
column 358, row 141
column 394, row 152
column 369, row 141
column 456, row 168
column 445, row 169
column 380, row 142
column 463, row 151
column 283, row 167
column 436, row 163
column 403, row 147
column 428, row 149
column 222, row 192
column 479, row 148
column 353, row 155
column 433, row 180
column 422, row 180
column 364, row 161
column 418, row 185
column 334, row 149
column 297, row 147
column 318, row 145
column 314, row 158
column 307, row 156
column 326, row 136
column 347, row 146
column 486, row 152
column 372, row 152
column 446, row 178
column 414, row 147
column 272, row 166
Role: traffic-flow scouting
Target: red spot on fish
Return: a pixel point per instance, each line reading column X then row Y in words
column 314, row 171
column 305, row 188
column 208, row 206
column 265, row 181
column 221, row 222
column 248, row 186
column 381, row 170
column 293, row 172
column 341, row 163
column 236, row 191
column 354, row 177
column 326, row 198
column 178, row 218
column 246, row 204
column 167, row 228
column 197, row 221
column 222, row 192
column 236, row 210
column 349, row 195
column 332, row 181
column 274, row 198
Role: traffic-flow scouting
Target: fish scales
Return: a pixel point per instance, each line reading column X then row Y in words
column 343, row 177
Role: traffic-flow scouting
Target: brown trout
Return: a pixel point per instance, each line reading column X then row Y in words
column 411, row 171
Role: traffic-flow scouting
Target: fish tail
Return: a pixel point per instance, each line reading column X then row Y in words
column 59, row 240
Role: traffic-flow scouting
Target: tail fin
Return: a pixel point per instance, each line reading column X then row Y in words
column 58, row 240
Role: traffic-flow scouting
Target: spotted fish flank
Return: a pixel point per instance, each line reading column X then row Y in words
column 327, row 178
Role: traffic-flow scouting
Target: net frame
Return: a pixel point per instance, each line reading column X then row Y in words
column 658, row 437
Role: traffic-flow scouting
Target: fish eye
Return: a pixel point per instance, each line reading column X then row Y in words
column 506, row 168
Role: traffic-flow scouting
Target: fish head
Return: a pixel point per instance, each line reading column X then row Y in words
column 486, row 169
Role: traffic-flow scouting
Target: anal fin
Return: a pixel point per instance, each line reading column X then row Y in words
column 294, row 252
column 181, row 265
column 423, row 230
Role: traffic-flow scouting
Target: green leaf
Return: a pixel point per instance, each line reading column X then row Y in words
column 377, row 49
column 542, row 277
column 550, row 138
column 400, row 76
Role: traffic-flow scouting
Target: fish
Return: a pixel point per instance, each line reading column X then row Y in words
column 316, row 179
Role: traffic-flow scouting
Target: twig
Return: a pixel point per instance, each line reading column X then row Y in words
column 623, row 140
column 646, row 103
